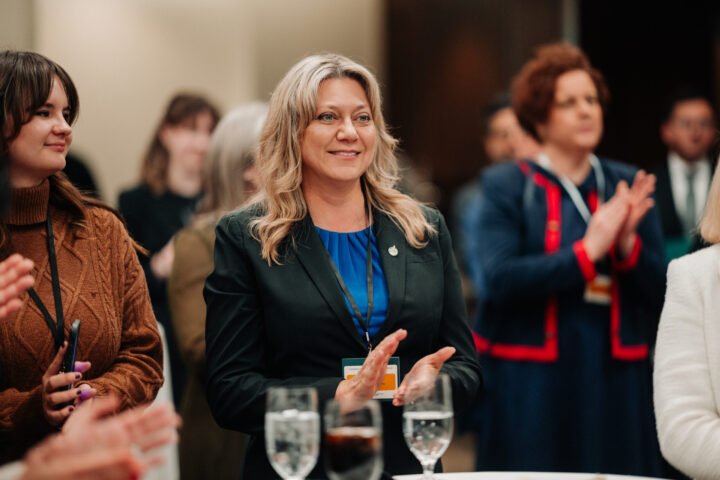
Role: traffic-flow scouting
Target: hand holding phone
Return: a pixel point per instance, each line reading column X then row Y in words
column 68, row 364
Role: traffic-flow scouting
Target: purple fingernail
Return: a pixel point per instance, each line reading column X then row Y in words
column 72, row 409
column 77, row 376
column 87, row 393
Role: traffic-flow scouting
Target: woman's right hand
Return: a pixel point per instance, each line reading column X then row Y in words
column 605, row 224
column 362, row 387
column 54, row 390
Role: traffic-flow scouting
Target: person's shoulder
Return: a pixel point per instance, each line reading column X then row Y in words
column 135, row 197
column 507, row 179
column 508, row 171
column 622, row 170
column 704, row 260
column 101, row 215
column 432, row 214
column 141, row 190
column 239, row 220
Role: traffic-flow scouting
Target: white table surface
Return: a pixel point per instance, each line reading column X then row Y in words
column 523, row 476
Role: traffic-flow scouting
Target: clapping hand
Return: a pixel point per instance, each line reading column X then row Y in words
column 362, row 387
column 615, row 222
column 98, row 445
column 640, row 202
column 421, row 376
column 14, row 280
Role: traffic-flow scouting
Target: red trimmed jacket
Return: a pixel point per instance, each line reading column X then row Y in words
column 531, row 258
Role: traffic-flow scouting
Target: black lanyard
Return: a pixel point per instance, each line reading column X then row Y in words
column 364, row 324
column 58, row 331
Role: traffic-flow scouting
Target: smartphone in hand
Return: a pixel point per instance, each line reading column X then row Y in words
column 68, row 364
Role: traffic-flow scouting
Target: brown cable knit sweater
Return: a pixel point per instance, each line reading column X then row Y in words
column 103, row 285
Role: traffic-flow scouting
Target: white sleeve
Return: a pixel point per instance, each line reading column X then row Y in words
column 687, row 420
column 12, row 471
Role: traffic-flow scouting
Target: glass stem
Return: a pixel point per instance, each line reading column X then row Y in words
column 429, row 469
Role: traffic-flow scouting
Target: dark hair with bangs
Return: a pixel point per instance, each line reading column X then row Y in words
column 26, row 80
column 533, row 89
column 182, row 109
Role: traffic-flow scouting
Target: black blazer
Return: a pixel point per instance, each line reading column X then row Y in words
column 288, row 324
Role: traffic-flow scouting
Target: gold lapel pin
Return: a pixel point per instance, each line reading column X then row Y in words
column 393, row 251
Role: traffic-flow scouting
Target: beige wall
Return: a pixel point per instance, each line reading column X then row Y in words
column 128, row 56
column 16, row 24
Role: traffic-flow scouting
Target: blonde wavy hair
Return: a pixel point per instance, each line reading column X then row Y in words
column 710, row 221
column 279, row 161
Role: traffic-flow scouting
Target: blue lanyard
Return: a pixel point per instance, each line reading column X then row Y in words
column 364, row 323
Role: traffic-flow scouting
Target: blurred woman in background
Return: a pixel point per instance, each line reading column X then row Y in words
column 170, row 188
column 86, row 268
column 573, row 269
column 206, row 450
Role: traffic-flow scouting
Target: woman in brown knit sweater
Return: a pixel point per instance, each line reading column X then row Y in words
column 96, row 277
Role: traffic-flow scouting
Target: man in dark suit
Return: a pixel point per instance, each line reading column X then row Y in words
column 683, row 179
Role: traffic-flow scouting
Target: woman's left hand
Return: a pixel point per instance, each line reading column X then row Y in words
column 421, row 374
column 641, row 202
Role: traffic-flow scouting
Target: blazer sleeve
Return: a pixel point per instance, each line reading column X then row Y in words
column 235, row 337
column 137, row 372
column 508, row 272
column 192, row 264
column 462, row 368
column 687, row 419
column 644, row 269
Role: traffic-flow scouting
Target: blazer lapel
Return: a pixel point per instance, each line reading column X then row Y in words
column 393, row 254
column 311, row 253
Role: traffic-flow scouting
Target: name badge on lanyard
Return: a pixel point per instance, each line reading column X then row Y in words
column 351, row 367
column 598, row 290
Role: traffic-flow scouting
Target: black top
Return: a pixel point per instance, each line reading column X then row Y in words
column 289, row 325
column 152, row 220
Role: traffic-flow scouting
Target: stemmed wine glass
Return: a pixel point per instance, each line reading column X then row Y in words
column 428, row 420
column 292, row 431
column 353, row 441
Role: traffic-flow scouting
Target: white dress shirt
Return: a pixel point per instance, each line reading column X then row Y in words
column 679, row 169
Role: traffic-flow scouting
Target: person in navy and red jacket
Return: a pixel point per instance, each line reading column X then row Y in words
column 572, row 262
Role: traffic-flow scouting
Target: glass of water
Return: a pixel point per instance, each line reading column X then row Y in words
column 353, row 441
column 292, row 431
column 428, row 421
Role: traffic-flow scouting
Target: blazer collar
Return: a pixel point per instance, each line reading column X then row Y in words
column 311, row 253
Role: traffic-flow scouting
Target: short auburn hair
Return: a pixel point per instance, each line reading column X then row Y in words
column 533, row 89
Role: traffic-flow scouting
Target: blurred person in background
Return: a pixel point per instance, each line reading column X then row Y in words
column 573, row 273
column 206, row 450
column 331, row 262
column 504, row 141
column 683, row 179
column 170, row 188
column 86, row 268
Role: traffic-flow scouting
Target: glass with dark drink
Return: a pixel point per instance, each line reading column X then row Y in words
column 353, row 441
